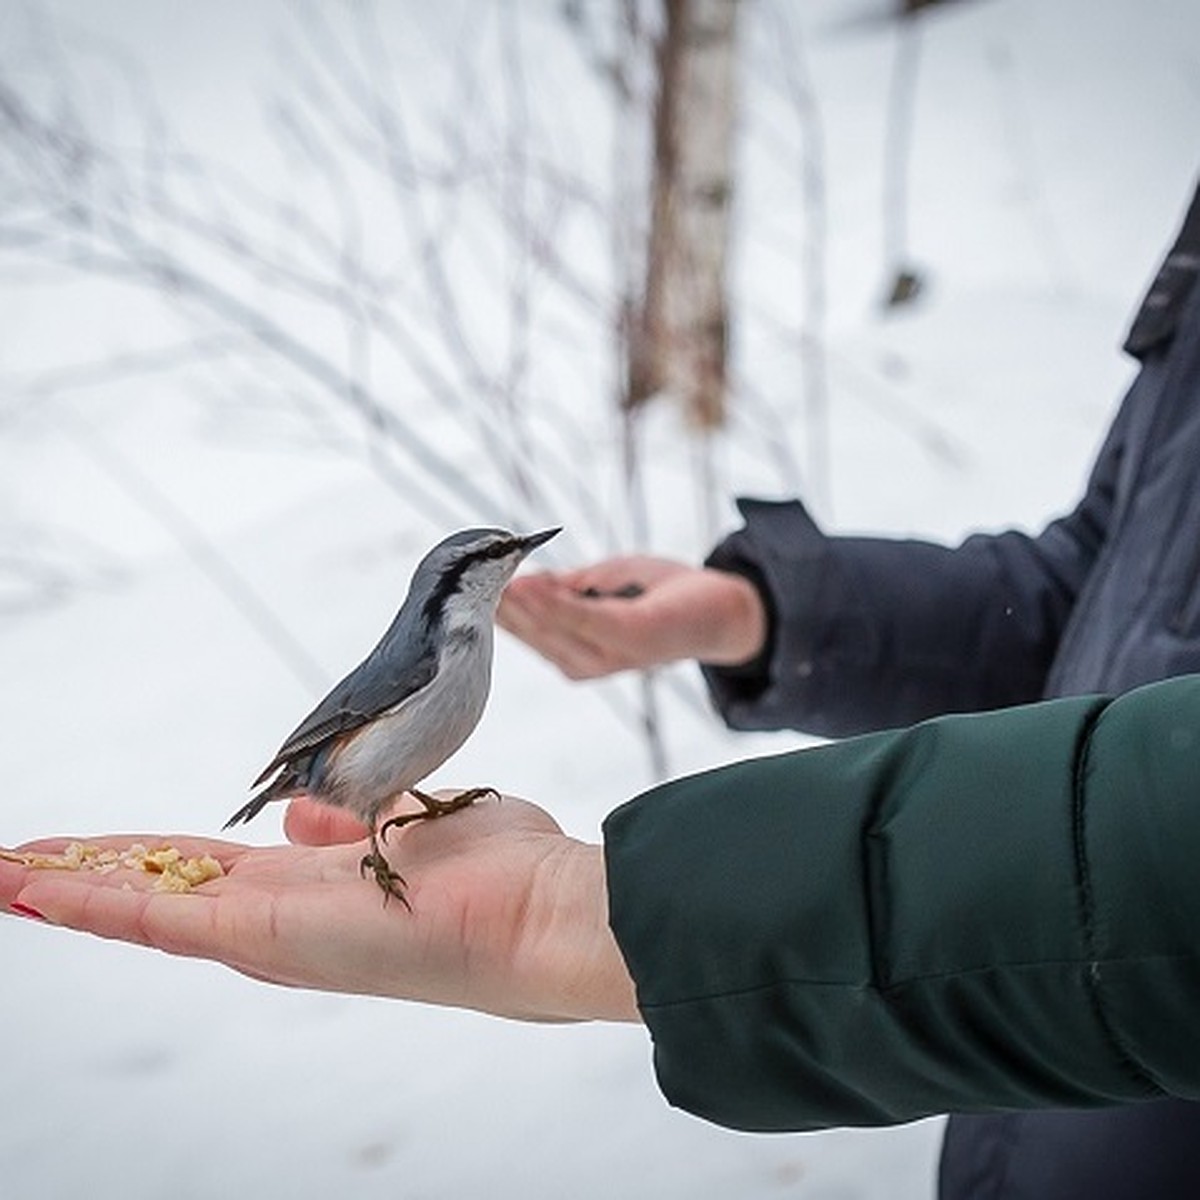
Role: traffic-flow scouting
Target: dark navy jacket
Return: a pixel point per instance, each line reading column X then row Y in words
column 869, row 632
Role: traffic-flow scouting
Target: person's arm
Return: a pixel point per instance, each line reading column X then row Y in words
column 831, row 635
column 871, row 633
column 635, row 612
column 982, row 912
column 990, row 911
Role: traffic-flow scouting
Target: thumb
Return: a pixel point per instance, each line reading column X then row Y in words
column 308, row 823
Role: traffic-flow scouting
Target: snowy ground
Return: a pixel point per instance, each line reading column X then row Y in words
column 1054, row 151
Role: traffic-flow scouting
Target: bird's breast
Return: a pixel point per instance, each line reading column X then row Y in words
column 409, row 741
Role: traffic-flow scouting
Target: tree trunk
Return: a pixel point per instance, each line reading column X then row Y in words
column 679, row 336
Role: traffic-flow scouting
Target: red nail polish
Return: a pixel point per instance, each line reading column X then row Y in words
column 25, row 910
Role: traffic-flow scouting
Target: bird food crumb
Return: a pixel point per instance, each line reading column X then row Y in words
column 174, row 872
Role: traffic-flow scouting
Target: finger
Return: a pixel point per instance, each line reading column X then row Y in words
column 531, row 615
column 531, row 581
column 12, row 878
column 577, row 657
column 600, row 635
column 515, row 613
column 197, row 925
column 125, row 860
column 525, row 597
column 309, row 823
column 563, row 640
column 132, row 868
column 190, row 925
column 189, row 845
column 559, row 609
column 231, row 919
column 91, row 903
column 617, row 578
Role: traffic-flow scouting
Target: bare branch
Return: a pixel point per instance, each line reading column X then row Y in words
column 903, row 281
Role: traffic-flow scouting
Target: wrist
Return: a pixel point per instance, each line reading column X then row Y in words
column 589, row 979
column 744, row 621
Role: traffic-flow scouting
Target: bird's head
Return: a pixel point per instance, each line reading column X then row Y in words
column 463, row 575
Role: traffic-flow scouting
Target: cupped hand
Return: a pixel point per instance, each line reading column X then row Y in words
column 509, row 916
column 587, row 624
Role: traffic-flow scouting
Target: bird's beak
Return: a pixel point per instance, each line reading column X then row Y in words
column 531, row 541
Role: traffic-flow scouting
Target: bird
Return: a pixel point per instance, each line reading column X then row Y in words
column 410, row 704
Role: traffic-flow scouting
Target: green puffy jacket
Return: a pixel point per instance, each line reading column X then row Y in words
column 981, row 912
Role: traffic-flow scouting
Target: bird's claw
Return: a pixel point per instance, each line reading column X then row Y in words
column 390, row 881
column 433, row 807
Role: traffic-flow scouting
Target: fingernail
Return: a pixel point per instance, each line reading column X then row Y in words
column 25, row 910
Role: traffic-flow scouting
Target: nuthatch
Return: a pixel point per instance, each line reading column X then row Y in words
column 411, row 703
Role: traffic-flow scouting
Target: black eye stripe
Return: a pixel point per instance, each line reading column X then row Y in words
column 499, row 549
column 447, row 585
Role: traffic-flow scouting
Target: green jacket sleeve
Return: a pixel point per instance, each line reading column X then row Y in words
column 981, row 912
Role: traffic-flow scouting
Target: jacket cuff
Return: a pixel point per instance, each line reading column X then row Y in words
column 781, row 551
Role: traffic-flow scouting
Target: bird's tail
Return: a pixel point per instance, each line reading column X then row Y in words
column 277, row 789
column 249, row 810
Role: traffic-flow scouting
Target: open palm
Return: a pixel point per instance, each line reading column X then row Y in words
column 508, row 914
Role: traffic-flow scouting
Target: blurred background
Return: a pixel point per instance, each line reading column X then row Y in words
column 290, row 290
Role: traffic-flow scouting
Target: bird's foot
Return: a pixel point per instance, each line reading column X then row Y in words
column 436, row 808
column 391, row 882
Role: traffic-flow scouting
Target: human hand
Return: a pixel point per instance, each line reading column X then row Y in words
column 680, row 612
column 509, row 916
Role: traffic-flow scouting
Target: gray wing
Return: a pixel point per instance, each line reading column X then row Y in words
column 370, row 689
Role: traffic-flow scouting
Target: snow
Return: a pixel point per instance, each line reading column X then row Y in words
column 1053, row 153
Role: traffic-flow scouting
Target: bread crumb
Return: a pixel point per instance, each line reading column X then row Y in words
column 174, row 872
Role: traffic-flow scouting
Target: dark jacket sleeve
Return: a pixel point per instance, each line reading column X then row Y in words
column 983, row 912
column 870, row 633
